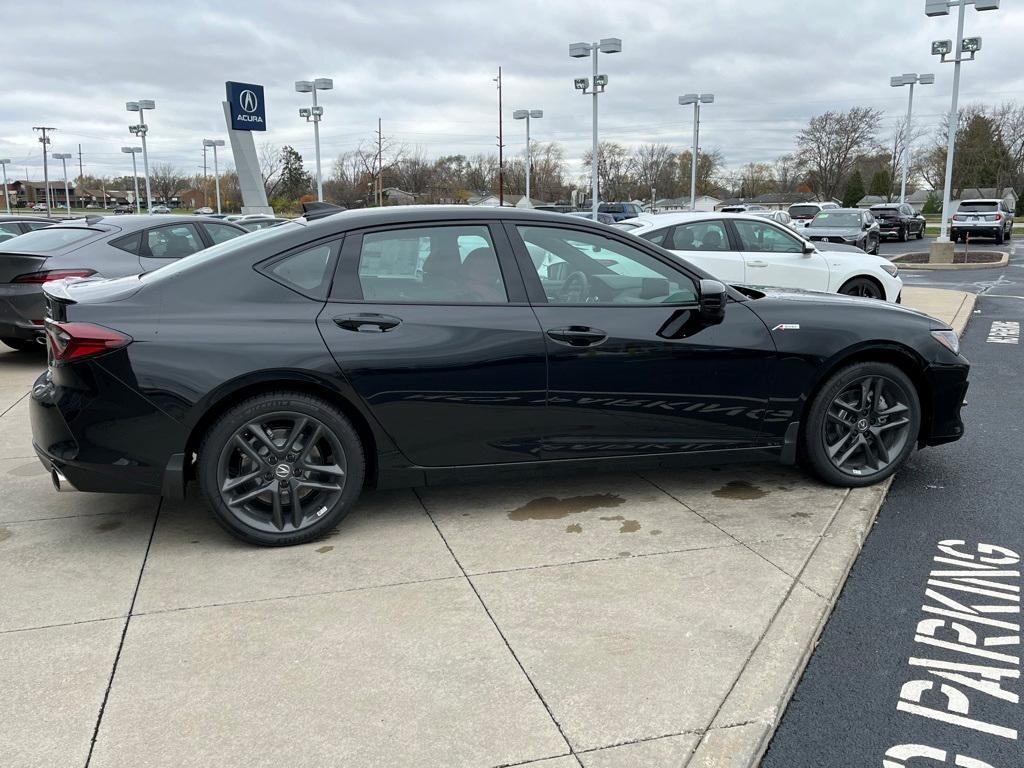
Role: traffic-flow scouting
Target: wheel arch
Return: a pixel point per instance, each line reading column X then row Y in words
column 866, row 276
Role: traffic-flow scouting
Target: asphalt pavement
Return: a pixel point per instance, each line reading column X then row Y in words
column 919, row 664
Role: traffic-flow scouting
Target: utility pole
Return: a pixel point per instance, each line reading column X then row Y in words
column 501, row 147
column 206, row 200
column 44, row 140
column 81, row 173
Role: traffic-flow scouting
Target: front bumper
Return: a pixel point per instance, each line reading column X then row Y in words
column 22, row 309
column 948, row 385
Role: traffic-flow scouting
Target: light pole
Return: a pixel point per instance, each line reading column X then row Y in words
column 7, row 190
column 313, row 115
column 696, row 99
column 216, row 171
column 141, row 130
column 135, row 174
column 597, row 86
column 527, row 114
column 944, row 48
column 910, row 79
column 64, row 157
column 45, row 140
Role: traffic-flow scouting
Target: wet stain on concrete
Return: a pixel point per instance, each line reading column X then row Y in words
column 740, row 490
column 783, row 488
column 5, row 534
column 625, row 554
column 31, row 469
column 574, row 528
column 551, row 508
column 615, row 517
column 324, row 550
column 630, row 526
column 194, row 541
column 801, row 514
column 655, row 532
column 110, row 525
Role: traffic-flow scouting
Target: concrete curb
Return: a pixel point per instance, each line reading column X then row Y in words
column 898, row 260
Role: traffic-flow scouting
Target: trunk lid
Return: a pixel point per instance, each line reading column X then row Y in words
column 14, row 264
column 60, row 294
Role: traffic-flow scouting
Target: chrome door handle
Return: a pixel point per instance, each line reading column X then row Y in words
column 757, row 264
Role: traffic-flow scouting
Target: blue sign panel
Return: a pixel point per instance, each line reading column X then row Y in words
column 248, row 112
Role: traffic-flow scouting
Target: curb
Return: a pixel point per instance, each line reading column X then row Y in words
column 896, row 259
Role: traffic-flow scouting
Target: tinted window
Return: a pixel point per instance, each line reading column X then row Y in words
column 756, row 237
column 8, row 230
column 173, row 242
column 886, row 213
column 977, row 207
column 657, row 236
column 586, row 268
column 700, row 236
column 131, row 243
column 32, row 225
column 307, row 271
column 48, row 239
column 803, row 211
column 453, row 264
column 220, row 233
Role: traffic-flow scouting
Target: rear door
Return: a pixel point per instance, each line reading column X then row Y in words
column 774, row 257
column 706, row 245
column 431, row 326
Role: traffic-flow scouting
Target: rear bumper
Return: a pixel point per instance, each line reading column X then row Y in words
column 22, row 310
column 977, row 230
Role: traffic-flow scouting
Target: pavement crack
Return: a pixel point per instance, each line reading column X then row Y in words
column 124, row 633
column 498, row 629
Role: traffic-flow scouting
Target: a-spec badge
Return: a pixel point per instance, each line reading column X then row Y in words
column 787, row 327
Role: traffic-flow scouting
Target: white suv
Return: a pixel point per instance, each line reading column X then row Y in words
column 983, row 218
column 803, row 214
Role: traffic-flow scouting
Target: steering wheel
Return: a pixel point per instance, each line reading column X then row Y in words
column 575, row 289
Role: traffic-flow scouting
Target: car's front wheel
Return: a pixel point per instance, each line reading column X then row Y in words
column 862, row 286
column 862, row 425
column 902, row 237
column 281, row 468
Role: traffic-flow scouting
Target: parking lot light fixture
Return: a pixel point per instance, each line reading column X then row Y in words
column 944, row 48
column 527, row 115
column 910, row 79
column 216, row 170
column 582, row 51
column 135, row 173
column 7, row 191
column 141, row 130
column 696, row 99
column 314, row 115
column 64, row 157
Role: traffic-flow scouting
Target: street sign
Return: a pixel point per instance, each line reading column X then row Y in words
column 248, row 111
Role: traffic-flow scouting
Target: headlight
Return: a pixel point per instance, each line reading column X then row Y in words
column 948, row 339
column 891, row 268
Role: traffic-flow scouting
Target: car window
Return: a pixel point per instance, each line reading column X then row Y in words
column 449, row 264
column 307, row 271
column 130, row 243
column 804, row 211
column 220, row 233
column 9, row 229
column 577, row 267
column 979, row 206
column 172, row 242
column 700, row 236
column 756, row 237
column 48, row 239
column 657, row 236
column 34, row 225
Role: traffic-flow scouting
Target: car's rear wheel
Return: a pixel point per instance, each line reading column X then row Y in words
column 862, row 425
column 999, row 237
column 862, row 286
column 281, row 468
column 23, row 345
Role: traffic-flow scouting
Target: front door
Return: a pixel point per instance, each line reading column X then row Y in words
column 631, row 369
column 776, row 258
column 431, row 326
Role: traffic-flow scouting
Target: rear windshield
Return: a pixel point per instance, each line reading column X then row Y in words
column 47, row 239
column 886, row 213
column 612, row 207
column 833, row 219
column 977, row 206
column 803, row 211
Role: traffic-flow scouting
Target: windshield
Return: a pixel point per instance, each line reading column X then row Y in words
column 47, row 239
column 220, row 250
column 803, row 211
column 833, row 219
column 977, row 206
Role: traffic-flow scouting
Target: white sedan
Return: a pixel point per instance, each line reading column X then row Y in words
column 749, row 250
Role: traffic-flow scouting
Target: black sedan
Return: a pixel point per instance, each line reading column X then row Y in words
column 899, row 220
column 289, row 369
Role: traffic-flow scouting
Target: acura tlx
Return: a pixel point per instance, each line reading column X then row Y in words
column 287, row 370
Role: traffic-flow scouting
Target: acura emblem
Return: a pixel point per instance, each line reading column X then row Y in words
column 282, row 471
column 247, row 101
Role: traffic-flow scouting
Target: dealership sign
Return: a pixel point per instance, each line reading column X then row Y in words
column 248, row 112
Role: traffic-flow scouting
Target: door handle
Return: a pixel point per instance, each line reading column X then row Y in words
column 577, row 336
column 757, row 264
column 367, row 322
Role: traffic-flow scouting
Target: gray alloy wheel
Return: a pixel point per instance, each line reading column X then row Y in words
column 862, row 286
column 862, row 424
column 281, row 468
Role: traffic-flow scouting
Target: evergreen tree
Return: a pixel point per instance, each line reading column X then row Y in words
column 932, row 206
column 881, row 184
column 854, row 190
column 295, row 180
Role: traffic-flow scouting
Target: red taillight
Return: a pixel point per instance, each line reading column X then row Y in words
column 70, row 341
column 52, row 274
column 958, row 217
column 999, row 216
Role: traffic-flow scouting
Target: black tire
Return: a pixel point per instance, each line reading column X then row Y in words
column 24, row 345
column 903, row 235
column 920, row 233
column 878, row 245
column 999, row 237
column 833, row 414
column 317, row 444
column 862, row 286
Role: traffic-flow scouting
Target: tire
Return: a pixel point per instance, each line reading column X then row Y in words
column 24, row 345
column 920, row 233
column 903, row 235
column 862, row 286
column 878, row 245
column 999, row 237
column 306, row 451
column 848, row 441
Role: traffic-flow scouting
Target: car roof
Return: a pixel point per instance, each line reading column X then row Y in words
column 132, row 222
column 983, row 200
column 31, row 218
column 685, row 217
column 894, row 204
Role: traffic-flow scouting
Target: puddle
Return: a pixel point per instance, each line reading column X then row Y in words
column 630, row 526
column 740, row 490
column 574, row 528
column 110, row 525
column 551, row 508
column 324, row 550
column 31, row 469
column 5, row 534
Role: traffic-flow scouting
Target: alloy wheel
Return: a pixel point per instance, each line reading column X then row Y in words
column 282, row 472
column 867, row 426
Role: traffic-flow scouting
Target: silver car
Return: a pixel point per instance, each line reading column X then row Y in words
column 983, row 218
column 851, row 226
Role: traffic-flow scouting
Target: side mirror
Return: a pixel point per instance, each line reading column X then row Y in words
column 711, row 304
column 809, row 249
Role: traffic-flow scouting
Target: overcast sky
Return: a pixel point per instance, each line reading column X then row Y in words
column 426, row 68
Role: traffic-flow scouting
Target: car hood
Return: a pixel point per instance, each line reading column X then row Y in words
column 833, row 300
column 833, row 232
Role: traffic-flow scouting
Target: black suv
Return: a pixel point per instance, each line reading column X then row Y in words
column 899, row 220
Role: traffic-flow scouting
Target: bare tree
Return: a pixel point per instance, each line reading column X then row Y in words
column 756, row 179
column 612, row 168
column 786, row 172
column 651, row 169
column 165, row 181
column 270, row 168
column 831, row 143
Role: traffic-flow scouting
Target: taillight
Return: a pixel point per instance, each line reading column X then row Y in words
column 71, row 341
column 52, row 274
column 958, row 217
column 997, row 217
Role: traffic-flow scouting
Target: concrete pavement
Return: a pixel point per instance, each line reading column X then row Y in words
column 597, row 620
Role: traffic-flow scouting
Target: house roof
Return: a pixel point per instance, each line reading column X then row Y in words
column 989, row 193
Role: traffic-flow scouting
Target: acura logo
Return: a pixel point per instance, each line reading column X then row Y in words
column 282, row 471
column 247, row 101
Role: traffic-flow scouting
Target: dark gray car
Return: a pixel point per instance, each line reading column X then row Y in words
column 13, row 226
column 100, row 246
column 849, row 226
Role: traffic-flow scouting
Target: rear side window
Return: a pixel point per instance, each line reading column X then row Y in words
column 172, row 242
column 307, row 271
column 700, row 236
column 48, row 239
column 8, row 230
column 220, row 233
column 131, row 243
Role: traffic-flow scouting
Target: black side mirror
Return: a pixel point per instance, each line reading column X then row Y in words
column 711, row 304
